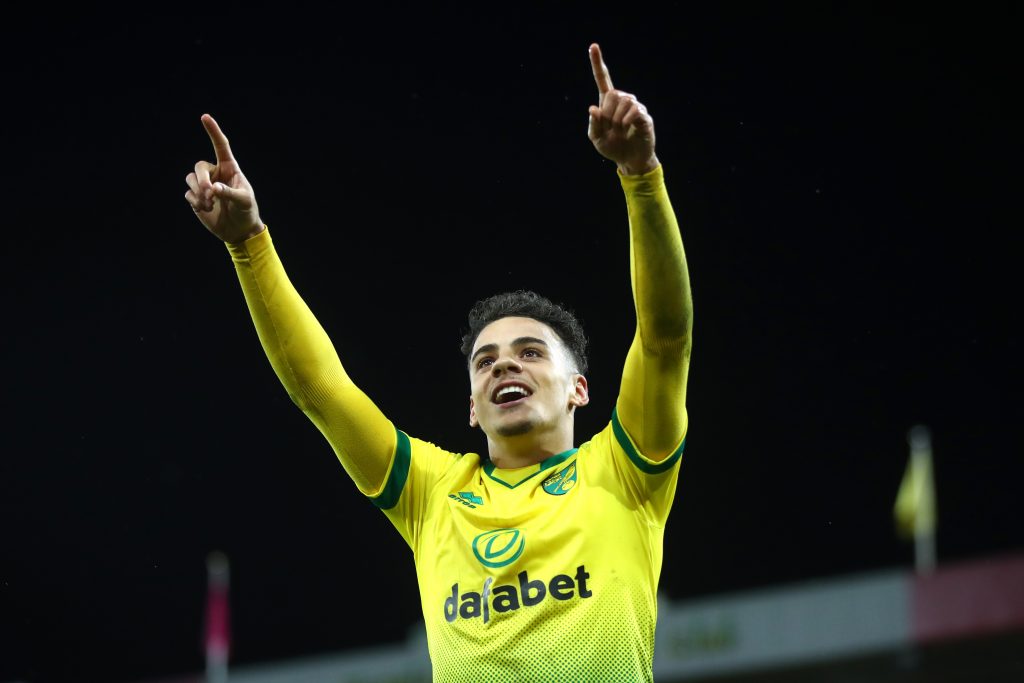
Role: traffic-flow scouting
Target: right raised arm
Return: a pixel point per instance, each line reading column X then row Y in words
column 296, row 344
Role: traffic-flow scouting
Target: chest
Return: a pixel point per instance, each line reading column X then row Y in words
column 488, row 523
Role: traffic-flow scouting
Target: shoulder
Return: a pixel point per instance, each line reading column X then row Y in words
column 616, row 447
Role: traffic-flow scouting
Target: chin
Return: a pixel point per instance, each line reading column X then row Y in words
column 515, row 429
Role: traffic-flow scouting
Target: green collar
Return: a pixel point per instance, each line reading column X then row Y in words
column 512, row 478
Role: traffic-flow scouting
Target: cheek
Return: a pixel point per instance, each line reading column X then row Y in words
column 476, row 391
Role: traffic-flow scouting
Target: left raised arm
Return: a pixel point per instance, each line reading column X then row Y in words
column 652, row 398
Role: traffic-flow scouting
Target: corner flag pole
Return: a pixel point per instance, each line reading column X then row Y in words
column 217, row 639
column 915, row 503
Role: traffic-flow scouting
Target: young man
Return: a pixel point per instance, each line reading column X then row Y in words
column 539, row 561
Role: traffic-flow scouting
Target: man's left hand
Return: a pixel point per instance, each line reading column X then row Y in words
column 620, row 127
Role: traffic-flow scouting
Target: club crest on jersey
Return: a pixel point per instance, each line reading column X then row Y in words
column 559, row 483
column 499, row 547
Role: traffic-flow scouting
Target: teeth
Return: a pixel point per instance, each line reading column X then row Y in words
column 512, row 390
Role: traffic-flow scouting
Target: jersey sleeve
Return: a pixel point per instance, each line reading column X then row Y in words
column 308, row 366
column 412, row 479
column 650, row 422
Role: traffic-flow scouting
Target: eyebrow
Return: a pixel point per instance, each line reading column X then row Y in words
column 518, row 341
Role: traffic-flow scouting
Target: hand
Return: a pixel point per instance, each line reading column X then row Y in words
column 620, row 127
column 220, row 195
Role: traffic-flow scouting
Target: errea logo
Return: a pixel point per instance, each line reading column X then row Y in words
column 467, row 498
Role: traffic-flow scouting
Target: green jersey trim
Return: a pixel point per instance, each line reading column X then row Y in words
column 388, row 497
column 545, row 464
column 643, row 464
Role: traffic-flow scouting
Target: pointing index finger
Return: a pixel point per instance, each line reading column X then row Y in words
column 601, row 76
column 219, row 140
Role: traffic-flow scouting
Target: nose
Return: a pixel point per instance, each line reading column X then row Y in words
column 505, row 364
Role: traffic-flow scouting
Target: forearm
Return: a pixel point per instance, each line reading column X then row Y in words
column 660, row 279
column 652, row 398
column 296, row 345
column 305, row 360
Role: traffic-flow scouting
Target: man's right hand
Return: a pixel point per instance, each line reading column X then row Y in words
column 220, row 195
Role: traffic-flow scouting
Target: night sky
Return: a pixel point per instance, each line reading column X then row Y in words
column 847, row 182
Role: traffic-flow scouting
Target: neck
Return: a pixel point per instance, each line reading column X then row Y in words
column 527, row 449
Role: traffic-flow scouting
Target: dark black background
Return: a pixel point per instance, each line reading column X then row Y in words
column 846, row 179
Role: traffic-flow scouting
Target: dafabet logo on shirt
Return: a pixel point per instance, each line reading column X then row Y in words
column 499, row 547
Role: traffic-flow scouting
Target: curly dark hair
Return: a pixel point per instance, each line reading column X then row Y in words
column 527, row 304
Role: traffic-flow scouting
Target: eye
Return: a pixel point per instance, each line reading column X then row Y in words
column 531, row 353
column 484, row 362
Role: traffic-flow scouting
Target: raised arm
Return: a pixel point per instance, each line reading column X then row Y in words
column 297, row 346
column 652, row 397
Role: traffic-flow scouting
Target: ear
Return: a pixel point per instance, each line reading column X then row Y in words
column 581, row 394
column 472, row 413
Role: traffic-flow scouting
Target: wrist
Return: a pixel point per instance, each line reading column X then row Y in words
column 250, row 234
column 639, row 168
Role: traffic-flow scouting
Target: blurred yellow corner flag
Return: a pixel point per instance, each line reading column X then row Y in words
column 914, row 511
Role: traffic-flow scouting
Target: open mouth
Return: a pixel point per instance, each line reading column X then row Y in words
column 510, row 393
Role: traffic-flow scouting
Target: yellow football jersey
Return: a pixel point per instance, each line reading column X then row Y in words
column 543, row 573
column 540, row 573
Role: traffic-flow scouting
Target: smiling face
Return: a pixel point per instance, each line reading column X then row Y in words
column 523, row 381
